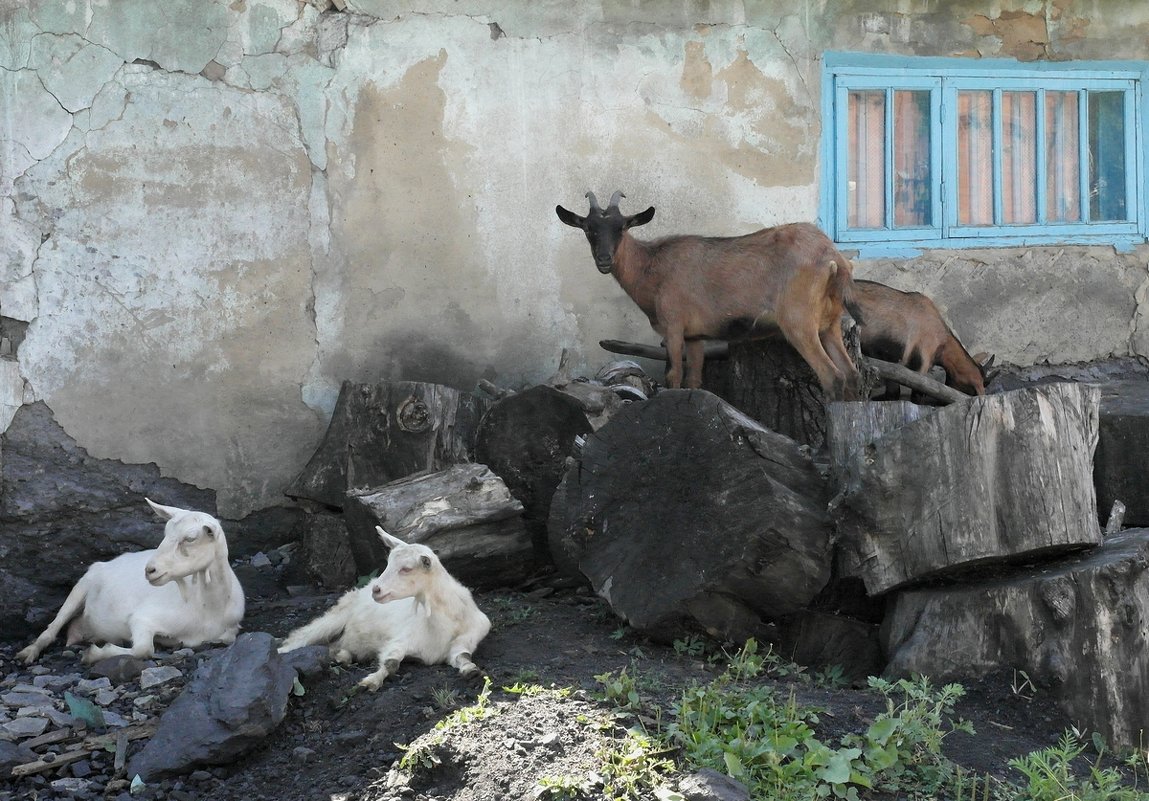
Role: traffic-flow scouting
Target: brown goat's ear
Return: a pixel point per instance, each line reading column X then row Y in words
column 570, row 218
column 642, row 218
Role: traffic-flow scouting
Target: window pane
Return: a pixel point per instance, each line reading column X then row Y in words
column 975, row 158
column 913, row 200
column 1107, row 156
column 1018, row 158
column 867, row 156
column 1062, row 166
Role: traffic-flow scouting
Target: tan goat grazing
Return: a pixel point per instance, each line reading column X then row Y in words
column 182, row 593
column 414, row 609
column 906, row 327
column 789, row 279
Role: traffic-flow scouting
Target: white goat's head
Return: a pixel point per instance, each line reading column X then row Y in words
column 410, row 567
column 192, row 542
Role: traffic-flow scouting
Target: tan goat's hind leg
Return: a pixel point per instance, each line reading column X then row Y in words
column 389, row 659
column 810, row 348
column 674, row 346
column 695, row 356
column 461, row 661
column 832, row 343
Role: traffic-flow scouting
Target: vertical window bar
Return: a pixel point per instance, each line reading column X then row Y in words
column 996, row 178
column 937, row 184
column 1083, row 153
column 1129, row 111
column 1040, row 177
column 888, row 178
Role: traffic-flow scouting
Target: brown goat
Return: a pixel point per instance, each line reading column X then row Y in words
column 790, row 278
column 906, row 327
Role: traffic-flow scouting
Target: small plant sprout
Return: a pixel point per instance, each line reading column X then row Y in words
column 1022, row 687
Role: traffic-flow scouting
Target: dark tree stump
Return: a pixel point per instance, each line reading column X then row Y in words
column 823, row 640
column 1122, row 459
column 1078, row 628
column 1000, row 478
column 464, row 513
column 683, row 509
column 525, row 438
column 381, row 432
column 768, row 380
column 323, row 555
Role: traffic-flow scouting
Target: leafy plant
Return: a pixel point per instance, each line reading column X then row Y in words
column 692, row 645
column 1049, row 775
column 562, row 788
column 1022, row 687
column 831, row 676
column 619, row 690
column 633, row 767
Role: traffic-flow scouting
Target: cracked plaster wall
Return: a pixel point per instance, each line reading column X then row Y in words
column 213, row 213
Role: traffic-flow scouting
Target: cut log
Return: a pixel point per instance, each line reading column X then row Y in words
column 1078, row 628
column 1123, row 450
column 381, row 432
column 916, row 381
column 525, row 439
column 323, row 554
column 683, row 511
column 768, row 380
column 1000, row 478
column 465, row 513
column 821, row 640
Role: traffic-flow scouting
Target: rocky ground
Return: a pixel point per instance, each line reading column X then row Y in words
column 340, row 744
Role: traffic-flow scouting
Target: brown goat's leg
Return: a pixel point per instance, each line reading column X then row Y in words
column 832, row 343
column 809, row 347
column 674, row 345
column 695, row 356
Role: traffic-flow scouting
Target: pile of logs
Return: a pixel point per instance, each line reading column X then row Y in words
column 951, row 540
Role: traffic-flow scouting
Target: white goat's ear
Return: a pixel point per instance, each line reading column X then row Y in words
column 388, row 540
column 166, row 512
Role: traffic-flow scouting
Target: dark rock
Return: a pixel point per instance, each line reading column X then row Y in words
column 119, row 669
column 263, row 530
column 710, row 785
column 12, row 754
column 232, row 703
column 309, row 660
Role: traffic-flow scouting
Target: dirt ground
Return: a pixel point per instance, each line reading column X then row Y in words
column 339, row 744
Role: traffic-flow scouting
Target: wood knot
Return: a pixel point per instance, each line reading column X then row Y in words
column 414, row 416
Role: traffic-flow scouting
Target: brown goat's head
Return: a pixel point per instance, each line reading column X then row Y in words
column 604, row 228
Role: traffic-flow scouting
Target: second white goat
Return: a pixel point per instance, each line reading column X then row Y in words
column 414, row 609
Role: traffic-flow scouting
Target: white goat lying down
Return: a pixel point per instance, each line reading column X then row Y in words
column 182, row 593
column 414, row 609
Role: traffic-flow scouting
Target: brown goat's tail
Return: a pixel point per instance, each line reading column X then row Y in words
column 842, row 285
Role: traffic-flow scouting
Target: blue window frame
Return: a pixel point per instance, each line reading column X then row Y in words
column 947, row 152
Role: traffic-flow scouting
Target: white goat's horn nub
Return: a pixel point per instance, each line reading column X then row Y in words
column 593, row 202
column 617, row 196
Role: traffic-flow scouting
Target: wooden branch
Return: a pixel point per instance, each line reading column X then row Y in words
column 916, row 381
column 712, row 349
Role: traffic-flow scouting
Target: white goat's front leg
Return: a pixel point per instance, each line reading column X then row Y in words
column 390, row 656
column 71, row 607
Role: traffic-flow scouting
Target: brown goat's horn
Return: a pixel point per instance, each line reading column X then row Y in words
column 593, row 202
column 615, row 198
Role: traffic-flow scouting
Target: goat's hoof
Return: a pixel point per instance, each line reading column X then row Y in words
column 371, row 683
column 471, row 673
column 28, row 655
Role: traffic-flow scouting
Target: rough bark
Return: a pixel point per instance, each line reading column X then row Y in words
column 464, row 512
column 1078, row 628
column 1001, row 478
column 1119, row 467
column 768, row 380
column 682, row 509
column 381, row 432
column 525, row 439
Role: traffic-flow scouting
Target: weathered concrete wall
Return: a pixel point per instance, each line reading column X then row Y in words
column 211, row 213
